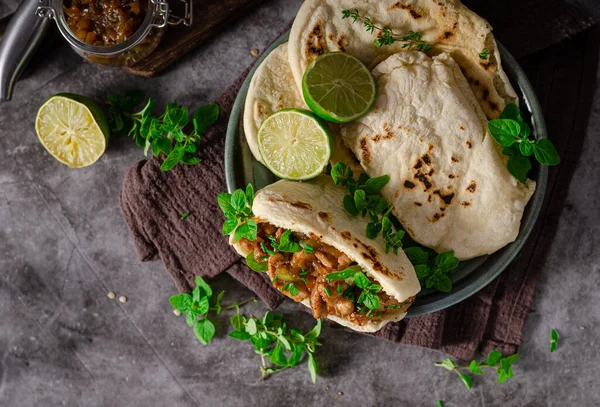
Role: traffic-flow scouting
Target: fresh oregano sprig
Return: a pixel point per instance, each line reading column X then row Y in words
column 273, row 340
column 364, row 199
column 433, row 270
column 368, row 296
column 503, row 367
column 196, row 307
column 553, row 340
column 237, row 208
column 385, row 35
column 512, row 133
column 165, row 133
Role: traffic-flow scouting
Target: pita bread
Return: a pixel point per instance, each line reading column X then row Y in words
column 315, row 208
column 448, row 179
column 271, row 89
column 448, row 24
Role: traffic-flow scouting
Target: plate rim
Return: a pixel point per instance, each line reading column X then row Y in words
column 466, row 287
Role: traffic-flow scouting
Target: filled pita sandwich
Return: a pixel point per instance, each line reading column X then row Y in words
column 318, row 254
column 449, row 184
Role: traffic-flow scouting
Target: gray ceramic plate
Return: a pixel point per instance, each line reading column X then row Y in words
column 471, row 276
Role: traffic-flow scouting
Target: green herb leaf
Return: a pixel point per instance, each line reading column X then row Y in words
column 545, row 152
column 359, row 199
column 443, row 283
column 260, row 267
column 553, row 340
column 293, row 290
column 337, row 172
column 511, row 111
column 238, row 200
column 417, row 255
column 204, row 286
column 237, row 321
column 288, row 244
column 246, row 230
column 446, row 261
column 277, row 357
column 350, row 206
column 340, row 275
column 204, row 330
column 251, row 327
column 526, row 148
column 312, row 367
column 185, row 215
column 240, row 335
column 423, row 271
column 504, row 131
column 447, row 364
column 519, row 166
column 494, row 357
column 361, row 280
column 484, row 53
column 172, row 159
column 229, row 226
column 371, row 300
column 466, row 379
column 204, row 117
column 375, row 185
column 181, row 302
column 473, row 367
column 250, row 195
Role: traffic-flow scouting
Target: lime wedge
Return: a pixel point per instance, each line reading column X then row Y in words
column 73, row 129
column 338, row 87
column 295, row 144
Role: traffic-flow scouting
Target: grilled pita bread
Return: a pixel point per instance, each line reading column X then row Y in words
column 448, row 24
column 449, row 183
column 315, row 208
column 271, row 89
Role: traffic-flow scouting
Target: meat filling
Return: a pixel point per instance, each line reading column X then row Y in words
column 300, row 272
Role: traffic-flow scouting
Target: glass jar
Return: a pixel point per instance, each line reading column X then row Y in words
column 135, row 48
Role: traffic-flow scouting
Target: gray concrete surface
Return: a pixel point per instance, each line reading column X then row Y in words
column 64, row 245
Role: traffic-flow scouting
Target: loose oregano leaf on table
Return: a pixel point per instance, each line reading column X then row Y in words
column 275, row 341
column 196, row 307
column 165, row 133
column 512, row 133
column 553, row 340
column 503, row 367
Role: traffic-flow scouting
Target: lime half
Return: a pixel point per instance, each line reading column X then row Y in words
column 338, row 87
column 295, row 144
column 73, row 129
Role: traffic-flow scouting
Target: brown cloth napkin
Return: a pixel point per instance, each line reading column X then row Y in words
column 564, row 79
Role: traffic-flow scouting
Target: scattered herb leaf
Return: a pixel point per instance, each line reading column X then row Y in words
column 503, row 367
column 198, row 305
column 553, row 340
column 185, row 215
column 484, row 53
column 164, row 133
column 275, row 341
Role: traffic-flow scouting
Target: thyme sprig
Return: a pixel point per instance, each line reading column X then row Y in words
column 385, row 34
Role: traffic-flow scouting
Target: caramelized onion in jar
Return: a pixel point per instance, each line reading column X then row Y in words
column 105, row 22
